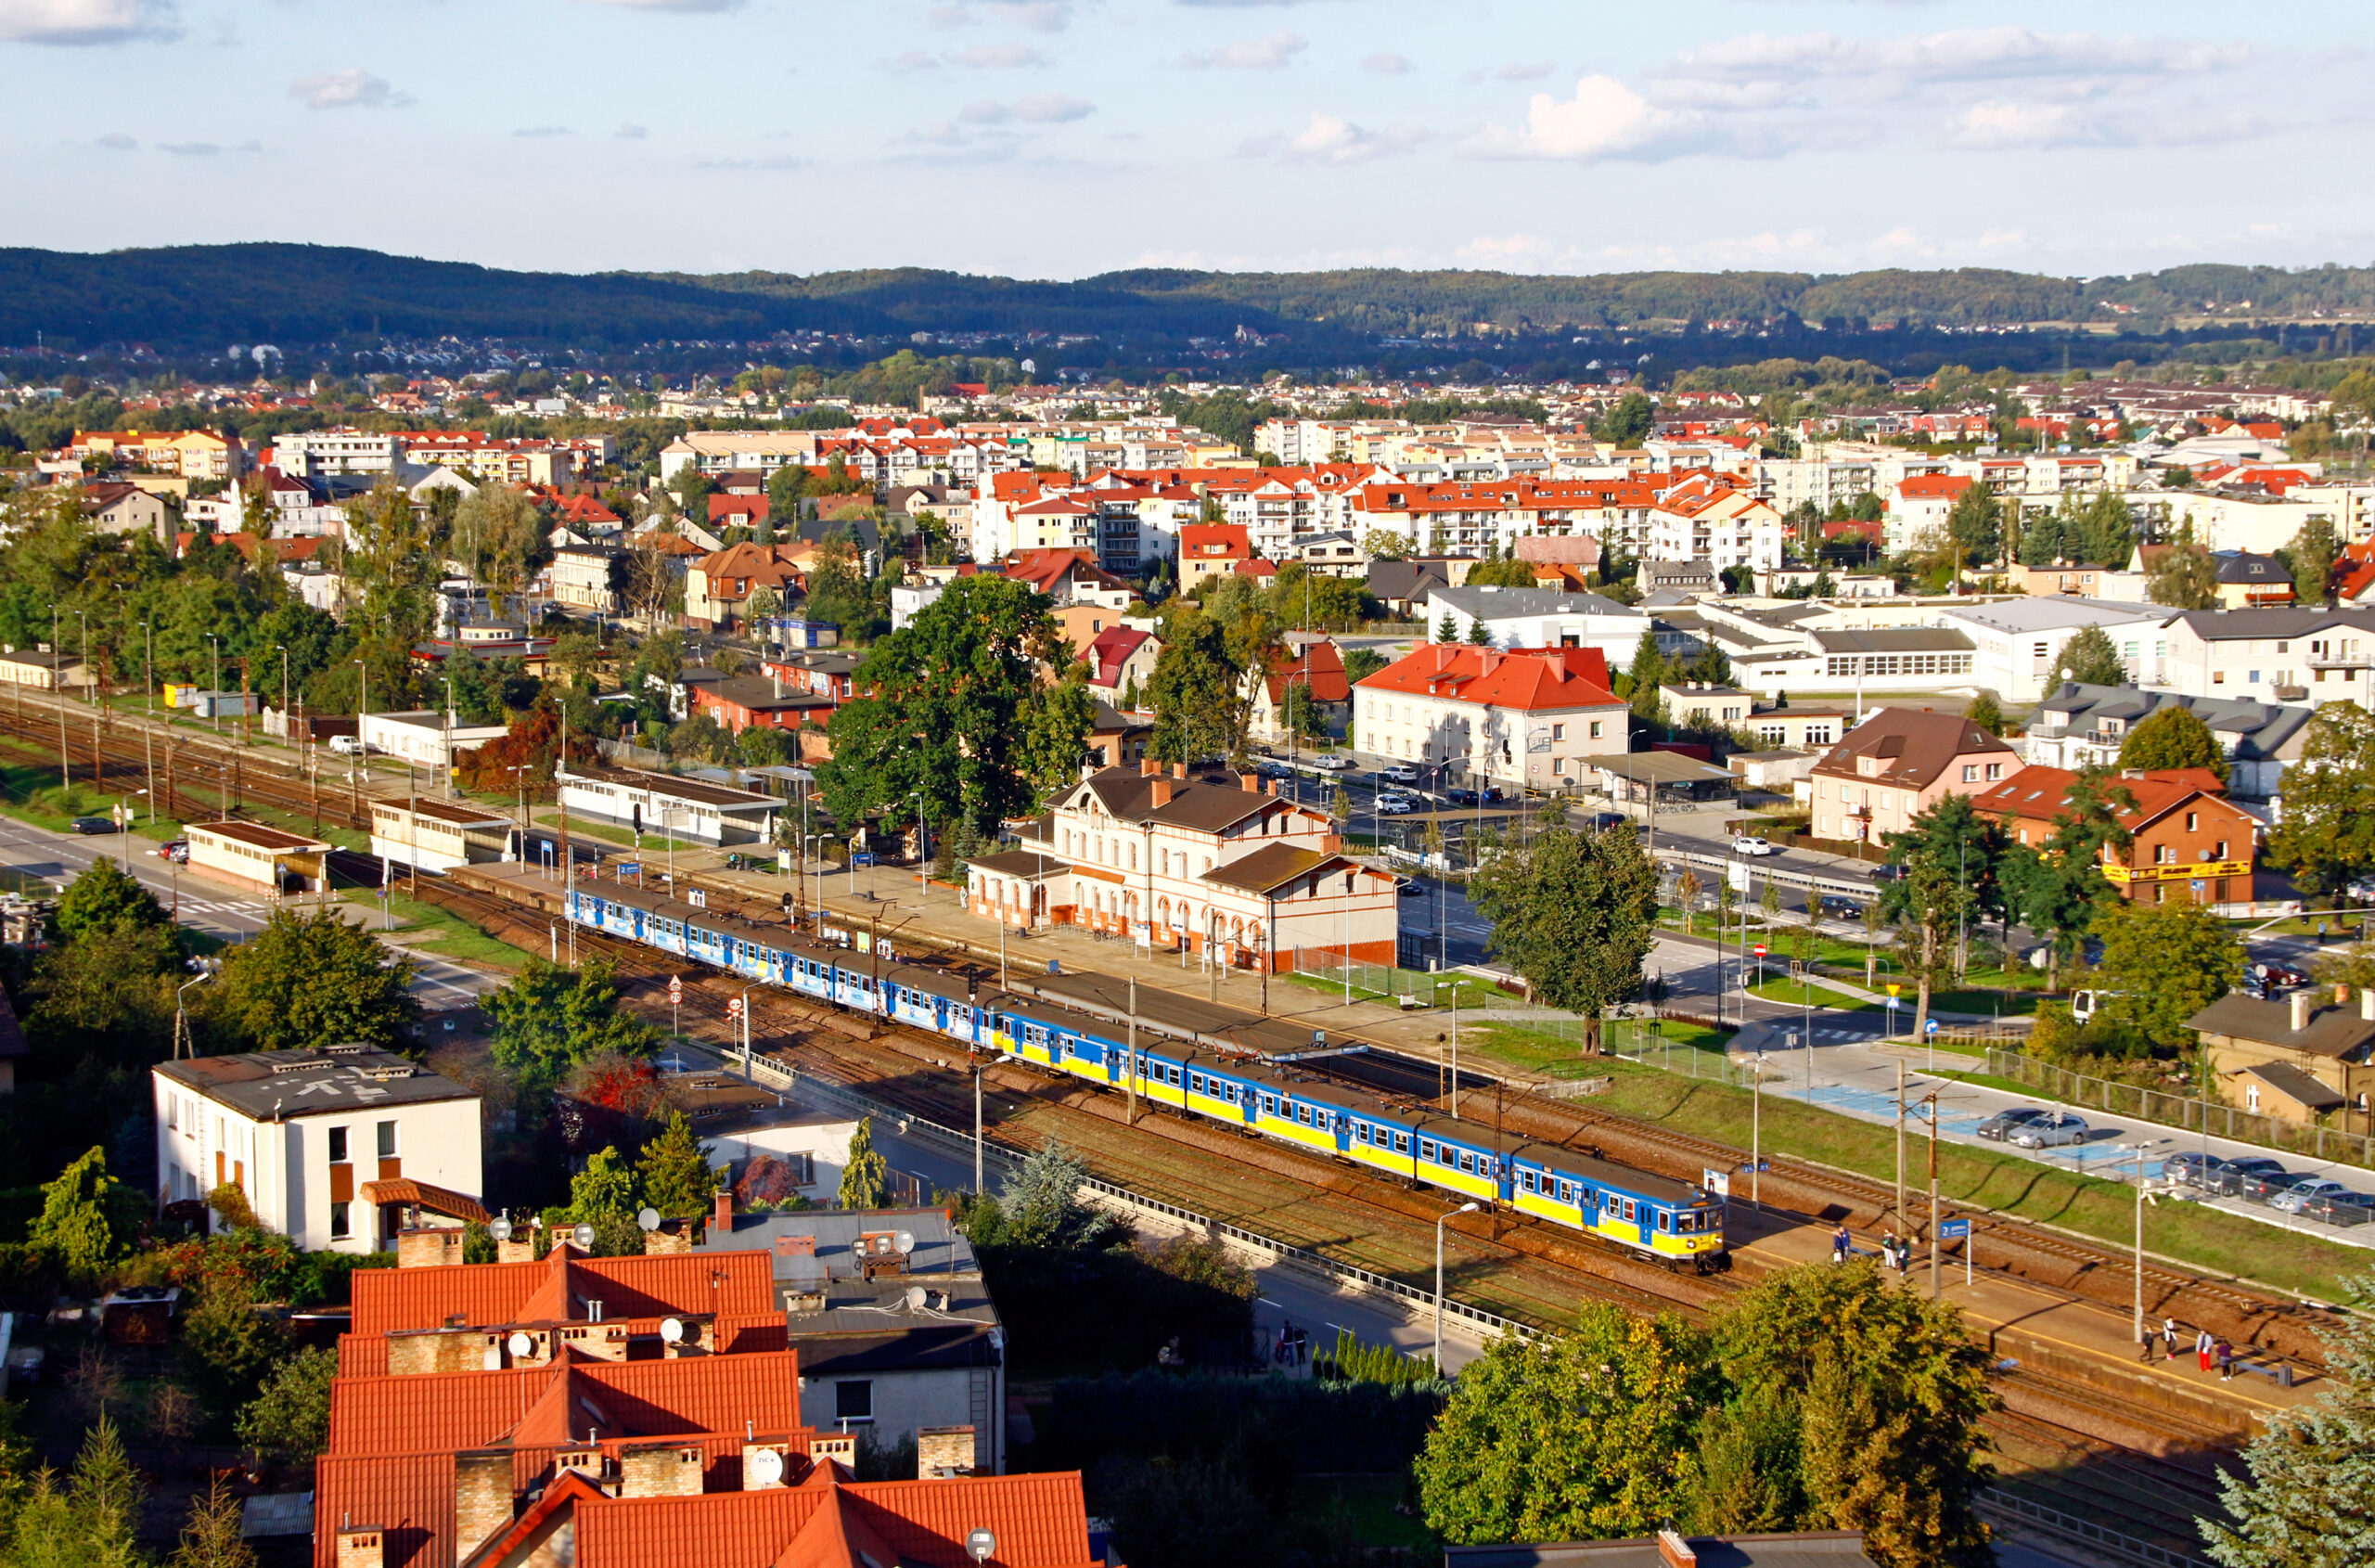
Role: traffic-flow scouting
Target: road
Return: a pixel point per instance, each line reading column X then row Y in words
column 216, row 909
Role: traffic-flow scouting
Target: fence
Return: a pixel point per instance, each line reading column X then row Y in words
column 1997, row 1500
column 2188, row 1112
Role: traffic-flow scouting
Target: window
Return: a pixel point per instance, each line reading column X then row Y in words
column 1995, row 772
column 1970, row 773
column 1427, row 1150
column 853, row 1401
column 1558, row 767
column 1558, row 732
column 338, row 1145
column 1597, row 729
column 2193, row 822
column 342, row 1221
column 1402, row 1143
column 2218, row 677
column 387, row 1140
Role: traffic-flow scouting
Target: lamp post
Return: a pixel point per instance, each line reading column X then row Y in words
column 2143, row 1194
column 148, row 712
column 91, row 685
column 205, row 973
column 923, row 850
column 57, row 685
column 214, row 683
column 1463, row 1209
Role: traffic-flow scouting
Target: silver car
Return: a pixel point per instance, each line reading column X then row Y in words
column 2294, row 1199
column 2048, row 1132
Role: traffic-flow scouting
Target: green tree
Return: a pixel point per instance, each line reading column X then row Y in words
column 2183, row 576
column 1849, row 1406
column 603, row 1195
column 211, row 1539
column 1384, row 544
column 1057, row 722
column 1501, row 572
column 2327, row 834
column 87, row 1219
column 498, row 533
column 2162, row 963
column 1197, row 691
column 2106, row 531
column 2307, row 1498
column 1647, row 672
column 2060, row 888
column 231, row 1344
column 677, row 1179
column 1588, row 1436
column 1575, row 913
column 1952, row 858
column 92, row 1521
column 106, row 997
column 1038, row 1206
column 550, row 1018
column 2090, row 658
column 946, row 710
column 866, row 1179
column 2047, row 539
column 785, row 488
column 1480, row 633
column 1984, row 714
column 313, row 980
column 2171, row 738
column 2313, row 551
column 1975, row 525
column 1627, row 421
column 290, row 1417
column 104, row 897
column 1447, row 629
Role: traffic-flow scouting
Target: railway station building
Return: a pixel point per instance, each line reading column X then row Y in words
column 256, row 857
column 442, row 835
column 673, row 807
column 1214, row 865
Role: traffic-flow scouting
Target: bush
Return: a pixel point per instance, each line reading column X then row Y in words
column 231, row 1343
column 290, row 1414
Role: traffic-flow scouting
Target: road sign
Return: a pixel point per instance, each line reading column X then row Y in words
column 1758, row 949
column 675, row 987
column 734, row 1007
column 1892, row 988
column 1715, row 1181
column 1953, row 1230
column 1932, row 1028
column 1893, row 1003
column 627, row 865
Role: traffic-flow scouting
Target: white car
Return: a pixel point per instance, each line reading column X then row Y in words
column 345, row 745
column 1747, row 843
column 1331, row 764
column 1395, row 806
column 1400, row 772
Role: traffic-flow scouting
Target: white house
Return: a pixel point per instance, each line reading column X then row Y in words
column 336, row 1147
column 425, row 738
column 2293, row 654
column 1518, row 716
column 1537, row 618
column 2016, row 642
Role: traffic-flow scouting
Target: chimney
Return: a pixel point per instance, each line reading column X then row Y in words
column 1674, row 1552
column 428, row 1247
column 752, row 1447
column 2342, row 996
column 2301, row 1000
column 1160, row 793
column 360, row 1548
column 482, row 1498
column 660, row 1470
column 1178, row 770
column 721, row 1218
column 1148, row 767
column 1274, row 786
column 1249, row 783
column 943, row 1452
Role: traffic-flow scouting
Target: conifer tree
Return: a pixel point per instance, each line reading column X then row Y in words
column 2309, row 1501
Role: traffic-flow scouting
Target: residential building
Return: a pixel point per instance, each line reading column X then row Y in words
column 1210, row 549
column 1315, row 668
column 723, row 451
column 127, row 508
column 660, row 802
column 1518, row 717
column 1331, row 555
column 1918, row 508
column 1121, row 660
column 1070, row 577
column 2017, row 642
column 1710, row 520
column 766, row 701
column 308, row 454
column 43, row 670
column 2079, row 727
column 1516, row 618
column 1896, row 765
column 2184, row 833
column 260, row 858
column 426, row 738
column 718, row 587
column 588, row 577
column 1209, row 864
column 318, row 1139
column 2301, row 654
column 2252, row 582
column 2299, row 1059
column 440, row 836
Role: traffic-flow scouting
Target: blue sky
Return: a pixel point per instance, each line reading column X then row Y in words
column 1057, row 138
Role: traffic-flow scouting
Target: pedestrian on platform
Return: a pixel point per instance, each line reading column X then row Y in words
column 2226, row 1362
column 2205, row 1350
column 2169, row 1338
column 1841, row 1243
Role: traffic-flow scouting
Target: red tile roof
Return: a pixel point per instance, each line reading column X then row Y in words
column 1040, row 1521
column 1213, row 541
column 1502, row 677
column 1319, row 666
column 482, row 1295
column 2040, row 793
column 1935, row 487
column 447, row 1412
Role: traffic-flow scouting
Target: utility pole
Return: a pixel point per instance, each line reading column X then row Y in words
column 149, row 708
column 977, row 1125
column 91, row 685
column 1932, row 1100
column 1130, row 1064
column 1900, row 1143
column 57, row 688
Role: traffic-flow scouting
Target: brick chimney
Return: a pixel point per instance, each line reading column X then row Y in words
column 360, row 1548
column 1148, row 767
column 1674, row 1552
column 430, row 1247
column 1179, row 770
column 1160, row 793
column 673, row 1237
column 1251, row 783
column 721, row 1218
column 943, row 1452
column 2301, row 1000
column 754, row 1445
column 482, row 1498
column 660, row 1470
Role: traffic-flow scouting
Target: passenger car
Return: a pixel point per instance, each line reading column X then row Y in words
column 2003, row 1123
column 2262, row 1185
column 2207, row 1172
column 1843, row 907
column 1749, row 845
column 2340, row 1208
column 2291, row 1200
column 2052, row 1130
column 93, row 825
column 1395, row 806
column 2279, row 974
column 1399, row 773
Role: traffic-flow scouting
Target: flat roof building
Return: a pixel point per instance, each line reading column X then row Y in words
column 278, row 863
column 677, row 808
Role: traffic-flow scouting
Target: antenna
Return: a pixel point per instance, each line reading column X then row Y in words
column 979, row 1545
column 915, row 1298
column 583, row 1237
column 501, row 1229
column 765, row 1468
column 904, row 1242
column 520, row 1345
column 671, row 1330
column 647, row 1219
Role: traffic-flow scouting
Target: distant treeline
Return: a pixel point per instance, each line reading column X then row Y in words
column 204, row 298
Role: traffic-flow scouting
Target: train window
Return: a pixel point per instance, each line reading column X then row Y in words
column 1360, row 1132
column 1466, row 1162
column 1526, row 1181
column 1269, row 1105
column 1665, row 1219
column 1427, row 1150
column 1630, row 1213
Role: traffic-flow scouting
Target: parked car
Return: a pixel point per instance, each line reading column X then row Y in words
column 2231, row 1173
column 2362, row 890
column 93, row 825
column 2090, row 950
column 2003, row 1123
column 1395, row 806
column 1398, row 773
column 2275, row 975
column 1749, row 845
column 1603, row 820
column 1887, row 873
column 1271, row 767
column 2291, row 1200
column 1412, row 889
column 346, row 745
column 2340, row 1208
column 2263, row 1186
column 2052, row 1130
column 1841, row 907
column 2206, row 1172
column 1331, row 764
column 1459, row 797
column 174, row 849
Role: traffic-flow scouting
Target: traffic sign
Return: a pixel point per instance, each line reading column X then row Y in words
column 1933, row 1029
column 1953, row 1230
column 734, row 1007
column 1758, row 949
column 1893, row 988
column 675, row 987
column 1893, row 1003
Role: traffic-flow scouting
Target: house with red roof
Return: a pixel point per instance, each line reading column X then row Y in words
column 1512, row 716
column 720, row 585
column 1210, row 549
column 1069, row 577
column 2188, row 842
column 1119, row 659
column 1317, row 668
column 1920, row 504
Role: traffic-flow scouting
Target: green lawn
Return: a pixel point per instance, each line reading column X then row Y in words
column 1561, row 1056
column 460, row 940
column 2208, row 1239
column 1801, row 993
column 1470, row 991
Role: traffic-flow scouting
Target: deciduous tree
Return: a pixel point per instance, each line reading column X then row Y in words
column 2184, row 576
column 2313, row 551
column 1575, row 913
column 105, row 897
column 2327, row 834
column 2172, row 737
column 88, row 1218
column 1952, row 857
column 550, row 1018
column 2060, row 888
column 290, row 1417
column 2091, row 659
column 2162, row 963
column 310, row 979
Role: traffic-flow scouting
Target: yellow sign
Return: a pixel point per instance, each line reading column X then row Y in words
column 1892, row 990
column 2178, row 871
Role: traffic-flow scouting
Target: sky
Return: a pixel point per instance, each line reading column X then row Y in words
column 1059, row 138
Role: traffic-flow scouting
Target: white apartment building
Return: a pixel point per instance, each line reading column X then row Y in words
column 720, row 451
column 310, row 454
column 2016, row 642
column 1703, row 519
column 2279, row 655
column 329, row 1145
column 1517, row 618
column 1521, row 718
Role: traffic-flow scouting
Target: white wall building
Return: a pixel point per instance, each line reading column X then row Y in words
column 1521, row 718
column 2016, row 642
column 425, row 738
column 2287, row 655
column 306, row 1134
column 1537, row 618
column 310, row 454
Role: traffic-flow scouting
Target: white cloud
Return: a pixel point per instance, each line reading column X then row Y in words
column 1039, row 16
column 205, row 149
column 1963, row 54
column 1272, row 53
column 1604, row 120
column 914, row 60
column 1385, row 62
column 1524, row 72
column 82, row 21
column 996, row 57
column 1330, row 139
column 116, row 141
column 1039, row 108
column 2008, row 124
column 629, row 131
column 352, row 88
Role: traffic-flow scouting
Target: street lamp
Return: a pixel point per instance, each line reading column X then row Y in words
column 923, row 850
column 1463, row 1209
column 205, row 972
column 2143, row 1194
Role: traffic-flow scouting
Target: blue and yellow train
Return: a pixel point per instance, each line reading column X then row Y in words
column 1671, row 1221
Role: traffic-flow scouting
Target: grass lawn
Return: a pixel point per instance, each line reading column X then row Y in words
column 32, row 795
column 1470, row 991
column 1800, row 993
column 2208, row 1239
column 1366, row 1503
column 458, row 939
column 1561, row 1056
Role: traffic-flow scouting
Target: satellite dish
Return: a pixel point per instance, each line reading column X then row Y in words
column 520, row 1345
column 501, row 1229
column 979, row 1545
column 765, row 1468
column 583, row 1237
column 905, row 1242
column 915, row 1298
column 648, row 1219
column 671, row 1330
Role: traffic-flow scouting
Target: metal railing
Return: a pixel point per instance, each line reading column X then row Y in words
column 2061, row 1523
column 2187, row 1113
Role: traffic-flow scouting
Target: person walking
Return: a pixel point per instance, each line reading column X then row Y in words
column 2204, row 1349
column 2226, row 1362
column 1841, row 1243
column 2169, row 1338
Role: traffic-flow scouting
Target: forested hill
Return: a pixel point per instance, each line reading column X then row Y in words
column 205, row 297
